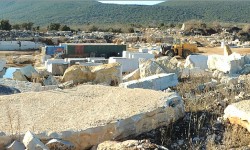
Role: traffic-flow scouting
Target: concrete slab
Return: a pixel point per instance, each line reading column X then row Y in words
column 156, row 82
column 90, row 114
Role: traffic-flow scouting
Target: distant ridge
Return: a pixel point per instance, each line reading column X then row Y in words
column 77, row 12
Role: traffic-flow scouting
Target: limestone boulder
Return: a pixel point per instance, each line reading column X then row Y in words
column 228, row 64
column 78, row 74
column 149, row 68
column 60, row 145
column 17, row 75
column 50, row 80
column 107, row 73
column 169, row 64
column 16, row 145
column 196, row 61
column 23, row 59
column 28, row 71
column 135, row 75
column 239, row 113
column 31, row 142
column 6, row 90
column 161, row 65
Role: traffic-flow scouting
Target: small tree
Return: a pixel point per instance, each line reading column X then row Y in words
column 54, row 26
column 65, row 28
column 5, row 25
column 93, row 28
column 27, row 25
column 16, row 26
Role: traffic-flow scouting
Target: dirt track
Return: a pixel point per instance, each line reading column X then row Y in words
column 220, row 51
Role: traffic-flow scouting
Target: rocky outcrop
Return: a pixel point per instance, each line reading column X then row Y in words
column 107, row 73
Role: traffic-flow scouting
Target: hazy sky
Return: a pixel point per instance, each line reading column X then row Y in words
column 132, row 2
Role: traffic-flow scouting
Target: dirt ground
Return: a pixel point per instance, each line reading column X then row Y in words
column 79, row 108
column 220, row 51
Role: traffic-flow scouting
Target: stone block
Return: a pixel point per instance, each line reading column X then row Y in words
column 155, row 82
column 196, row 61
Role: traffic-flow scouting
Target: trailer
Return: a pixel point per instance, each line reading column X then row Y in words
column 52, row 50
column 83, row 50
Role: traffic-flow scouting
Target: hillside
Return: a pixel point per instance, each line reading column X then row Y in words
column 43, row 12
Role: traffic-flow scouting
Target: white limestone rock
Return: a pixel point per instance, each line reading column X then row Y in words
column 31, row 142
column 196, row 61
column 155, row 82
column 16, row 145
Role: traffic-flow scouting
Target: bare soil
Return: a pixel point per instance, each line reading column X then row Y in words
column 220, row 51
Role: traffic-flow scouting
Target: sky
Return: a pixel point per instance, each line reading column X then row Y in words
column 132, row 2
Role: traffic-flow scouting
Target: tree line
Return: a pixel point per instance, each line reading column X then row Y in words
column 5, row 25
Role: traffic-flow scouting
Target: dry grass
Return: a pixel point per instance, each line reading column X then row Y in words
column 203, row 127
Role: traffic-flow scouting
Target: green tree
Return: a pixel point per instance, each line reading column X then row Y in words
column 5, row 25
column 93, row 28
column 65, row 28
column 27, row 25
column 16, row 26
column 54, row 26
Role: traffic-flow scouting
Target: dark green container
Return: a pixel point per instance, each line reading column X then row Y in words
column 94, row 50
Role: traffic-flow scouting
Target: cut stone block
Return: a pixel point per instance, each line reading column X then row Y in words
column 155, row 82
column 196, row 61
